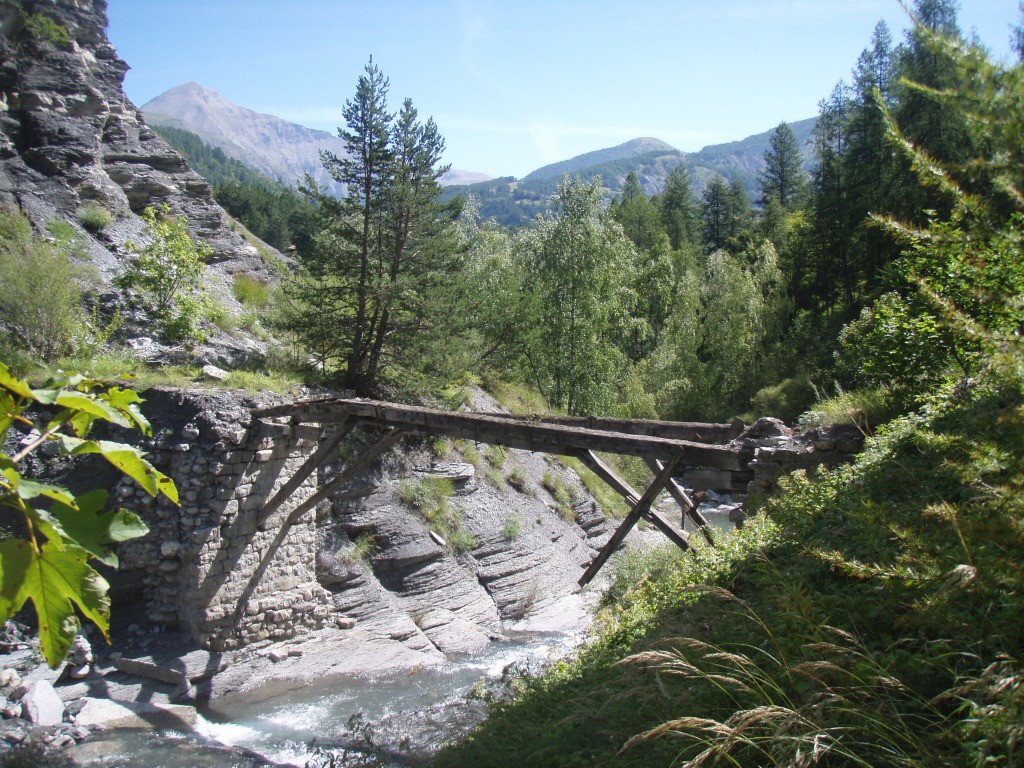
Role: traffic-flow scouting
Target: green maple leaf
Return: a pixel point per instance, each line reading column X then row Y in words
column 129, row 460
column 93, row 532
column 56, row 581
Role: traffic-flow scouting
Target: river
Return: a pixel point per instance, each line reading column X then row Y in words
column 396, row 720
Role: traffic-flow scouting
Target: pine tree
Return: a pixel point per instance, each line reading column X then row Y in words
column 830, row 207
column 926, row 122
column 385, row 249
column 1017, row 34
column 680, row 212
column 714, row 213
column 783, row 176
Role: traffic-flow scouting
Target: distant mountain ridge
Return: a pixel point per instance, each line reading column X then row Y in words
column 274, row 147
column 634, row 148
column 279, row 149
column 516, row 203
column 286, row 152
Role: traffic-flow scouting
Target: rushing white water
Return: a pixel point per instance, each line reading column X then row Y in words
column 424, row 706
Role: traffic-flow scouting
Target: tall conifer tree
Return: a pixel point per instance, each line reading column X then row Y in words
column 384, row 248
column 783, row 176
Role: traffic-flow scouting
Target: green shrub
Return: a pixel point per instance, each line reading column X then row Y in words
column 40, row 292
column 62, row 232
column 785, row 400
column 94, row 217
column 517, row 479
column 513, row 526
column 558, row 490
column 865, row 408
column 251, row 292
column 495, row 456
column 167, row 276
column 360, row 550
column 431, row 497
column 469, row 452
column 494, row 477
column 42, row 27
column 610, row 501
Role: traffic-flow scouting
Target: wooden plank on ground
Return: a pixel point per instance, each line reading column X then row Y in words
column 328, row 444
column 638, row 511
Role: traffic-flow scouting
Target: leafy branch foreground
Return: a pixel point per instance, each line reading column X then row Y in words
column 50, row 533
column 868, row 618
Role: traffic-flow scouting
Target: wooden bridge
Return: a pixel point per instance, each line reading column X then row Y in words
column 666, row 446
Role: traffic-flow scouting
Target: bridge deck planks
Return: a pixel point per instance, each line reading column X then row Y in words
column 544, row 437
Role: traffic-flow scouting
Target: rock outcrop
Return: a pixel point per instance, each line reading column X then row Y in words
column 365, row 560
column 70, row 137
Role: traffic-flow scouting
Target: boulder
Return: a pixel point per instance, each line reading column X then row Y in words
column 41, row 705
column 213, row 373
column 146, row 667
column 452, row 634
column 104, row 713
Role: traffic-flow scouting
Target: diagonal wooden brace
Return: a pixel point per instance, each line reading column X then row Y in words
column 379, row 448
column 324, row 451
column 688, row 505
column 640, row 509
column 632, row 497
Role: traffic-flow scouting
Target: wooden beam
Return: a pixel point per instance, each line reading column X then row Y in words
column 500, row 430
column 678, row 537
column 329, row 443
column 694, row 431
column 376, row 450
column 640, row 510
column 624, row 489
column 687, row 504
column 608, row 475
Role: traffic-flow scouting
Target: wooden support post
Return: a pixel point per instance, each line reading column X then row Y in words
column 328, row 445
column 607, row 474
column 376, row 450
column 639, row 510
column 680, row 538
column 624, row 489
column 687, row 504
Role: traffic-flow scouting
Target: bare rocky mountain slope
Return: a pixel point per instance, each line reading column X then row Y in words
column 277, row 148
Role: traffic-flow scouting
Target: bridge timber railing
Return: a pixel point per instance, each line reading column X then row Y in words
column 665, row 446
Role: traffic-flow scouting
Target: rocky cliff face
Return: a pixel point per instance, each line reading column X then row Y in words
column 69, row 136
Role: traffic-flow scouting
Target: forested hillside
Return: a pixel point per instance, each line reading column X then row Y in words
column 515, row 203
column 869, row 616
column 274, row 212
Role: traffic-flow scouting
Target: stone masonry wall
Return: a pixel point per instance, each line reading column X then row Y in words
column 208, row 567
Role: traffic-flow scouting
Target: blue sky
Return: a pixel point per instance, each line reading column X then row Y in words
column 516, row 84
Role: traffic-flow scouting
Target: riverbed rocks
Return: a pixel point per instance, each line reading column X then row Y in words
column 41, row 705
